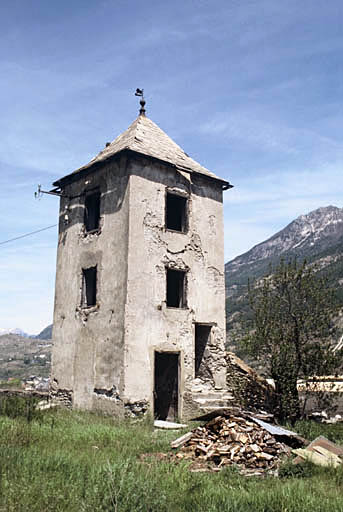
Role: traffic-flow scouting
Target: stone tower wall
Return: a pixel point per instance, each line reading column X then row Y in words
column 103, row 356
column 88, row 342
column 150, row 324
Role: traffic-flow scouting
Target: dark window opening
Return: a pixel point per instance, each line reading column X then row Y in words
column 202, row 337
column 166, row 386
column 176, row 288
column 92, row 211
column 176, row 212
column 89, row 287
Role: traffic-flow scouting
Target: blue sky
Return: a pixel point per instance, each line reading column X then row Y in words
column 251, row 89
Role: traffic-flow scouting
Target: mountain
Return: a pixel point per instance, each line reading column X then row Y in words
column 316, row 237
column 15, row 330
column 45, row 334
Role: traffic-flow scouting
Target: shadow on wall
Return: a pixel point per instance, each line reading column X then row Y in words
column 108, row 181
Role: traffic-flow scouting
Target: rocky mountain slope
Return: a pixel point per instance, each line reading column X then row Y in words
column 316, row 237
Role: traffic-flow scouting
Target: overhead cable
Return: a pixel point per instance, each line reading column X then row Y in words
column 27, row 234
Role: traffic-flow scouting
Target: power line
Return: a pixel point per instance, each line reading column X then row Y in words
column 28, row 234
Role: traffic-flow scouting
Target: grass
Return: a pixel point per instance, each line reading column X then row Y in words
column 14, row 383
column 73, row 461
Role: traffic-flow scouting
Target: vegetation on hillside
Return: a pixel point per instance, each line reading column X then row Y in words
column 316, row 238
column 22, row 357
column 292, row 330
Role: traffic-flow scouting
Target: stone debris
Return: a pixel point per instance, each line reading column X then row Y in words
column 232, row 440
column 323, row 417
column 62, row 397
column 44, row 405
column 168, row 425
column 135, row 409
column 248, row 388
column 37, row 383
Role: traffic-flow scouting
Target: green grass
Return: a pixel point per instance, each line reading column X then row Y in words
column 14, row 383
column 72, row 461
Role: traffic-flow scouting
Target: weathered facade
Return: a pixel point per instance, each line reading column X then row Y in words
column 139, row 320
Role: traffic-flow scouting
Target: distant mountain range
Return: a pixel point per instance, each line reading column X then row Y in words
column 45, row 334
column 316, row 237
column 15, row 330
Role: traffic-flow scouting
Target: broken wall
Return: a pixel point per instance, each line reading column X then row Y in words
column 249, row 389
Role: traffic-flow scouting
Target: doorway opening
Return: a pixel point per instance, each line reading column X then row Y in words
column 202, row 338
column 166, row 386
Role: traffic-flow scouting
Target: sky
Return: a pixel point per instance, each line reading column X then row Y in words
column 251, row 89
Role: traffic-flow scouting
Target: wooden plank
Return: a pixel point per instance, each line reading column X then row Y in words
column 180, row 441
column 316, row 458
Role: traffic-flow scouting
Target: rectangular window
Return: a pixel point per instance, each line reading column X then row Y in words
column 176, row 288
column 176, row 212
column 92, row 211
column 88, row 287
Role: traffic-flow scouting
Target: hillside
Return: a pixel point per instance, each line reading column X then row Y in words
column 21, row 357
column 316, row 237
column 45, row 334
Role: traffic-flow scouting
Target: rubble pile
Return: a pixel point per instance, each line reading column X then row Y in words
column 231, row 440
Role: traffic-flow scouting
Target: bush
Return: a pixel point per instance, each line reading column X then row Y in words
column 15, row 406
column 290, row 470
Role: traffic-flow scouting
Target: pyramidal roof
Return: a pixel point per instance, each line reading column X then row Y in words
column 145, row 137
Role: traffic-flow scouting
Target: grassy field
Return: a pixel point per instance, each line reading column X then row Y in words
column 72, row 461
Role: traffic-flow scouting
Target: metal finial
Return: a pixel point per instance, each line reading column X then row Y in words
column 140, row 92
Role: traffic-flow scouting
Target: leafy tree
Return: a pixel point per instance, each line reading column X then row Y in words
column 292, row 319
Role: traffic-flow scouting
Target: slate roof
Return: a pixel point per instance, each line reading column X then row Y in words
column 145, row 137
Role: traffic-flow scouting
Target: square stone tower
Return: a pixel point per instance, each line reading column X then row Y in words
column 139, row 319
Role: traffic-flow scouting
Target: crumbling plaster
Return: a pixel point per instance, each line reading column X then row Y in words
column 88, row 342
column 151, row 325
column 104, row 355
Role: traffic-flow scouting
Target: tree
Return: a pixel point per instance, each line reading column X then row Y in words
column 292, row 329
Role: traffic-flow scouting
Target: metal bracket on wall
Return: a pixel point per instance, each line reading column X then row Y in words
column 54, row 192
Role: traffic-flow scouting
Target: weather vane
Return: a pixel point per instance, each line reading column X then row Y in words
column 140, row 92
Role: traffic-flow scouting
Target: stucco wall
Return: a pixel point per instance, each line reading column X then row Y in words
column 88, row 342
column 104, row 355
column 150, row 324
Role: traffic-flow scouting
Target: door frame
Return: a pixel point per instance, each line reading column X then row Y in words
column 179, row 353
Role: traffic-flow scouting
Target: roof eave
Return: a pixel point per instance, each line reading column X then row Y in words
column 225, row 184
column 89, row 168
